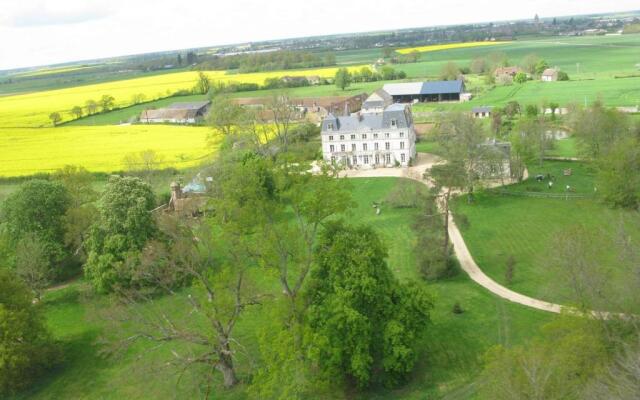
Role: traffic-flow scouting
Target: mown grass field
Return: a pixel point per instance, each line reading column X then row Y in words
column 528, row 229
column 447, row 366
column 32, row 110
column 27, row 151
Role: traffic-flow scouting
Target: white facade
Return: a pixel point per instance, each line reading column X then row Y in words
column 385, row 139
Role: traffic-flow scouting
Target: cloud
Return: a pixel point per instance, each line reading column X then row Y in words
column 45, row 14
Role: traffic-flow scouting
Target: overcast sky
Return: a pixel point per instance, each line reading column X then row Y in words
column 39, row 32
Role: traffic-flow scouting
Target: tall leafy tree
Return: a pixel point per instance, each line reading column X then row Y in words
column 82, row 209
column 462, row 137
column 38, row 208
column 26, row 347
column 362, row 323
column 343, row 78
column 123, row 227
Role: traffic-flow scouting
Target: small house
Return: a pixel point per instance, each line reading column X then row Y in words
column 481, row 112
column 377, row 102
column 549, row 75
column 314, row 80
column 510, row 72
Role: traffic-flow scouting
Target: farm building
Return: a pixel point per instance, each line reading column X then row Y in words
column 314, row 80
column 177, row 113
column 426, row 91
column 370, row 140
column 549, row 75
column 481, row 112
column 497, row 160
column 507, row 71
column 377, row 102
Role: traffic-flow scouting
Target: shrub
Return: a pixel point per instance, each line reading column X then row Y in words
column 457, row 308
column 26, row 347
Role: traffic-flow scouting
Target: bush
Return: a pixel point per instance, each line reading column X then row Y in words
column 457, row 308
column 26, row 347
column 563, row 76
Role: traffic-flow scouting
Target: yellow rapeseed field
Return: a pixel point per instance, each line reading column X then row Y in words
column 33, row 110
column 449, row 46
column 25, row 151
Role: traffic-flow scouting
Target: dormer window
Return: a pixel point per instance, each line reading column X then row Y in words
column 394, row 122
column 329, row 126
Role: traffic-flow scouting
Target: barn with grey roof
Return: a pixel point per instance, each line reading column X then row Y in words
column 425, row 91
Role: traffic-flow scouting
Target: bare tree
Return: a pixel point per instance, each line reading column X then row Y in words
column 33, row 265
column 91, row 106
column 201, row 332
column 283, row 114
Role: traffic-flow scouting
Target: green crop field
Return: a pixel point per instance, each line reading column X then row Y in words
column 527, row 228
column 448, row 363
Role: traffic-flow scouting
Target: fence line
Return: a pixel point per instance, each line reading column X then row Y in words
column 543, row 195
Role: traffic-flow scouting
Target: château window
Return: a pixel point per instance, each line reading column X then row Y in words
column 330, row 126
column 341, row 137
column 402, row 157
column 332, row 148
column 387, row 146
column 353, row 137
column 386, row 136
column 364, row 146
column 341, row 147
column 353, row 147
column 387, row 158
column 364, row 136
column 394, row 122
column 402, row 145
column 401, row 134
column 375, row 146
column 355, row 160
column 330, row 137
column 375, row 135
column 366, row 159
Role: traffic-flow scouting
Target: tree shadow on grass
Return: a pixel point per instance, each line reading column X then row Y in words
column 77, row 374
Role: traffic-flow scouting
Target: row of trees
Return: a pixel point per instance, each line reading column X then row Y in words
column 269, row 61
column 105, row 104
column 344, row 78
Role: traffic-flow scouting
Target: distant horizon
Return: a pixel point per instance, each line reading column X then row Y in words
column 75, row 25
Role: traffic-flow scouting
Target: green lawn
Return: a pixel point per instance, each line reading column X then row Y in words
column 450, row 357
column 527, row 229
column 565, row 148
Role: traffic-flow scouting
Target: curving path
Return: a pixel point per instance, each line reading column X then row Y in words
column 467, row 263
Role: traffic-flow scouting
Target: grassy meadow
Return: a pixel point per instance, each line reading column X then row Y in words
column 26, row 151
column 528, row 229
column 447, row 366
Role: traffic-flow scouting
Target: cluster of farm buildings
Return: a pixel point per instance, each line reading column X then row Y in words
column 361, row 131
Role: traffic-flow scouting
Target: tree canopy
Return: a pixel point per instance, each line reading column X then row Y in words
column 124, row 225
column 26, row 347
column 362, row 323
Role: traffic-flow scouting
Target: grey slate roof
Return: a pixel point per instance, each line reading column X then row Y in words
column 482, row 109
column 379, row 98
column 195, row 105
column 424, row 88
column 368, row 122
